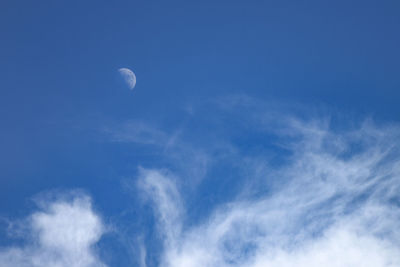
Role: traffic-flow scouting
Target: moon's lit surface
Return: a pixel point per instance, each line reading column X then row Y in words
column 129, row 77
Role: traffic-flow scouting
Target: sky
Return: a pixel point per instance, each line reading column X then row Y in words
column 259, row 133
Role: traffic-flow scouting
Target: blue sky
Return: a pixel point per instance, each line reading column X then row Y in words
column 259, row 133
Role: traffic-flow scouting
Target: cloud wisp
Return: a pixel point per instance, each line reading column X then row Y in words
column 169, row 148
column 61, row 234
column 335, row 204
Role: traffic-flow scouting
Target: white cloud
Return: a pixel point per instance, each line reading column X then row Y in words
column 62, row 234
column 163, row 192
column 335, row 205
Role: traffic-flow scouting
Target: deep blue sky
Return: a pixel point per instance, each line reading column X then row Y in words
column 60, row 93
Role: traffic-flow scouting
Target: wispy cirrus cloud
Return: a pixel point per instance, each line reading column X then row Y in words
column 169, row 148
column 301, row 192
column 334, row 202
column 62, row 233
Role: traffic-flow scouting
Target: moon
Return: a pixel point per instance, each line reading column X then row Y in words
column 129, row 77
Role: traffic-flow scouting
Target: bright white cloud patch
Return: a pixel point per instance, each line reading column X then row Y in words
column 62, row 235
column 336, row 205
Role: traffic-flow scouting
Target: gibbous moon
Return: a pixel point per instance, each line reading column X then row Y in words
column 129, row 77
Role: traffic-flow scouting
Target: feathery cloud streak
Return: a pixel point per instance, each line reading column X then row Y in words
column 336, row 205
